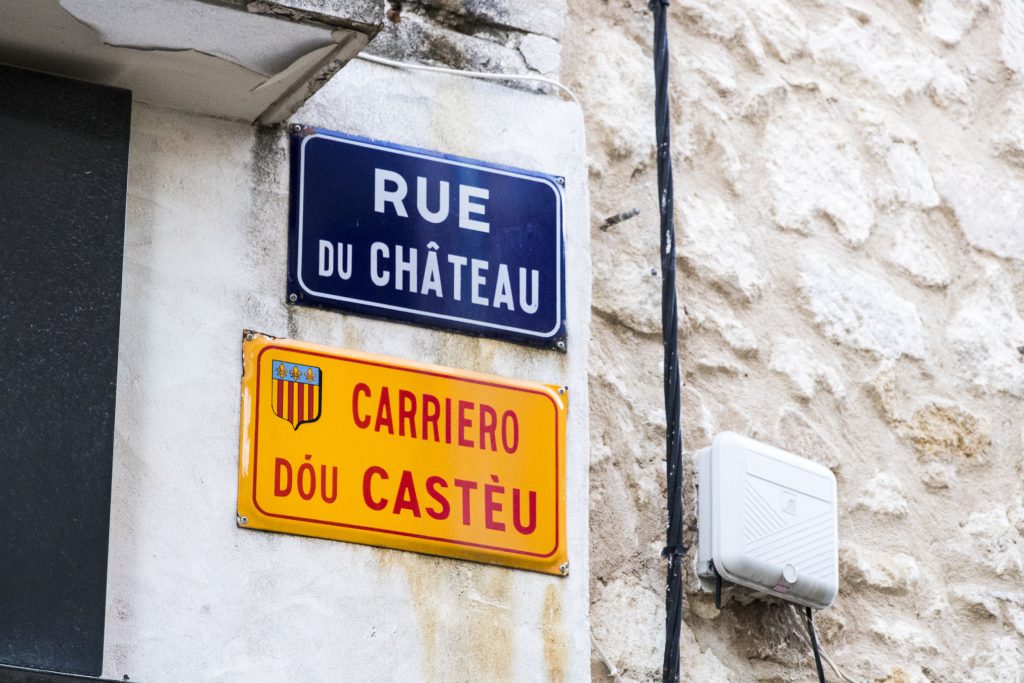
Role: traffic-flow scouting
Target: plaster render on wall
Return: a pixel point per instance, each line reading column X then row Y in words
column 191, row 595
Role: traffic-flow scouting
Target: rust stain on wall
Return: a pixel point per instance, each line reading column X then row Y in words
column 465, row 617
column 489, row 617
column 553, row 625
column 424, row 602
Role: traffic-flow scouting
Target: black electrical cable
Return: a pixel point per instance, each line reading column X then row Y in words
column 718, row 587
column 674, row 549
column 814, row 646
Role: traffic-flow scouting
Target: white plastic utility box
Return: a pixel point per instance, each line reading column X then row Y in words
column 767, row 520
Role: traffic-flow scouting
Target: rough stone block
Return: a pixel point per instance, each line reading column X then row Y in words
column 546, row 17
column 542, row 54
column 987, row 334
column 717, row 250
column 874, row 49
column 783, row 29
column 1006, row 607
column 883, row 495
column 907, row 639
column 949, row 20
column 795, row 359
column 367, row 14
column 1008, row 143
column 725, row 22
column 714, row 67
column 936, row 475
column 913, row 179
column 992, row 661
column 814, row 172
column 946, row 430
column 993, row 542
column 417, row 39
column 617, row 103
column 989, row 207
column 624, row 612
column 887, row 571
column 626, row 291
column 861, row 310
column 1011, row 41
column 735, row 334
column 915, row 247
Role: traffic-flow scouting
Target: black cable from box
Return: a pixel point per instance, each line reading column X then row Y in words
column 674, row 549
column 814, row 646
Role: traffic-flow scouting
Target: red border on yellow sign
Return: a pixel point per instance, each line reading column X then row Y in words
column 328, row 525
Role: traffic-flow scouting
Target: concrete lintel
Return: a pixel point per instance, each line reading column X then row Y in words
column 365, row 16
column 255, row 61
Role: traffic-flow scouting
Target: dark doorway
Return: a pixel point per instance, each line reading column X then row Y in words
column 63, row 178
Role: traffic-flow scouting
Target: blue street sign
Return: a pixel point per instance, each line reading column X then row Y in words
column 421, row 237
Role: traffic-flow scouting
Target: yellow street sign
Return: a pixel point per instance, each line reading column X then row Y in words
column 370, row 449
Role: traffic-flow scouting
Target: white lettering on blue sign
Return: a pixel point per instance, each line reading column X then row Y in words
column 391, row 188
column 421, row 237
column 437, row 276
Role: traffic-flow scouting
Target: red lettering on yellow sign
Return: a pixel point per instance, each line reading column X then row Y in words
column 406, row 455
column 373, row 410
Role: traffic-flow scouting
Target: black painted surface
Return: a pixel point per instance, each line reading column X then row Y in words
column 63, row 176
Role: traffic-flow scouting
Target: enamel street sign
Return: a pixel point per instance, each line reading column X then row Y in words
column 426, row 238
column 370, row 449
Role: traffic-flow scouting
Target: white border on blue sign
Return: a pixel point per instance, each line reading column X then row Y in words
column 487, row 169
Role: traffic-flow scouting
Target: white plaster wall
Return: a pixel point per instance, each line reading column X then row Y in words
column 193, row 597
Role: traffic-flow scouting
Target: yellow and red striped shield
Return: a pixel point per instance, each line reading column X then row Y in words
column 296, row 393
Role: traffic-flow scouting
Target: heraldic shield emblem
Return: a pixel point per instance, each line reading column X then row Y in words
column 297, row 392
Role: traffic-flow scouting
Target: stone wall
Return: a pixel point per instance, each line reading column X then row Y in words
column 501, row 36
column 850, row 193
